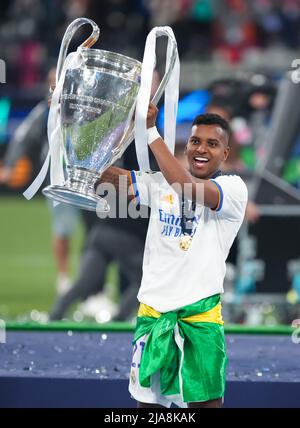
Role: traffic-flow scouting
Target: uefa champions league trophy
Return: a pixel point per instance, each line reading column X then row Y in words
column 96, row 105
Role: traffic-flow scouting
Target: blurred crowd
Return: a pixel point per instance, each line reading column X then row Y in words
column 31, row 30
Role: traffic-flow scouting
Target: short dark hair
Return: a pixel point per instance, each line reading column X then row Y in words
column 212, row 119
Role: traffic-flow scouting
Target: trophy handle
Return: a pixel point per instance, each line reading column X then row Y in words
column 129, row 137
column 71, row 30
column 162, row 32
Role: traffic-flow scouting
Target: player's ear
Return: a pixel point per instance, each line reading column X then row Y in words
column 226, row 152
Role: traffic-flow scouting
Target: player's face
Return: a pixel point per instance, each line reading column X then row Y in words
column 206, row 149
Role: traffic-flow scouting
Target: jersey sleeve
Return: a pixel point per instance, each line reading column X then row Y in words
column 145, row 185
column 233, row 197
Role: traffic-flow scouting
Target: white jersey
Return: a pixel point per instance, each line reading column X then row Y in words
column 173, row 278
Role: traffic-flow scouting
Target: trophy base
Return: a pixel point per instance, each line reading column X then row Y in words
column 69, row 196
column 78, row 191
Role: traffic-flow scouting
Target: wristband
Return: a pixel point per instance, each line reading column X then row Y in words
column 153, row 134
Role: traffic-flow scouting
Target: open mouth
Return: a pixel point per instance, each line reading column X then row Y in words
column 200, row 161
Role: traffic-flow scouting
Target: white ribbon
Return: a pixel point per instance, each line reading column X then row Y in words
column 55, row 153
column 73, row 60
column 171, row 96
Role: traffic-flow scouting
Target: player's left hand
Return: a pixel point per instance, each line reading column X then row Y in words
column 151, row 115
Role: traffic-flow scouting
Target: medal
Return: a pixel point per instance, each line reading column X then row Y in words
column 188, row 209
column 185, row 242
column 187, row 215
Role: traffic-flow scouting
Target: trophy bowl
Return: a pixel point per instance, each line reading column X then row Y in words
column 96, row 118
column 94, row 108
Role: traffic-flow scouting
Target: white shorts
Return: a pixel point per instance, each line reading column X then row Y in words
column 150, row 395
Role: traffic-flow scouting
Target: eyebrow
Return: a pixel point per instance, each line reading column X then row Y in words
column 214, row 140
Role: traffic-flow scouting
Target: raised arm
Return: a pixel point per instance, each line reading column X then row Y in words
column 202, row 191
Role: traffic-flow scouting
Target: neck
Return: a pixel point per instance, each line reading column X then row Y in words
column 215, row 174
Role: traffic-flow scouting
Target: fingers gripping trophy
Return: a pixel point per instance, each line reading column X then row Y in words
column 99, row 105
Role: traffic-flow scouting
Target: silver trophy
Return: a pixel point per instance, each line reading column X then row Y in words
column 97, row 104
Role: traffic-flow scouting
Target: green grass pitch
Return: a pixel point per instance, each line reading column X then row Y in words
column 27, row 267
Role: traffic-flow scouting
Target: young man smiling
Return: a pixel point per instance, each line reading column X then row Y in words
column 179, row 350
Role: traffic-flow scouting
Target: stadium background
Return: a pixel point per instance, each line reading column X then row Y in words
column 244, row 43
